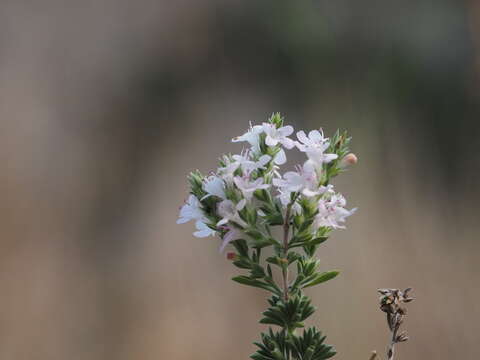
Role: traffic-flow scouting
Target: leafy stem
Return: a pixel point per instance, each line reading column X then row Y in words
column 286, row 227
column 247, row 197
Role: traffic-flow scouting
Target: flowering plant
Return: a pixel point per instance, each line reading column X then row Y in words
column 247, row 197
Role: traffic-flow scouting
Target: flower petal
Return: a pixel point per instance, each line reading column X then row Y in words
column 203, row 230
column 222, row 222
column 286, row 130
column 280, row 158
column 270, row 141
column 241, row 204
column 288, row 143
column 264, row 159
column 302, row 137
column 316, row 136
column 329, row 157
column 232, row 235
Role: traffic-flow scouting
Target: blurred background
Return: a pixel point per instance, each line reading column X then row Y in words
column 106, row 106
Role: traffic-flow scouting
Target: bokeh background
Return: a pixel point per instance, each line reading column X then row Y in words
column 105, row 107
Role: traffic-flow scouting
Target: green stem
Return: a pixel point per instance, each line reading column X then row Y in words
column 286, row 228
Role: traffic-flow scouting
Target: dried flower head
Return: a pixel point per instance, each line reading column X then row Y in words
column 391, row 302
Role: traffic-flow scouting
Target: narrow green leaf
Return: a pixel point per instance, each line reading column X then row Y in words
column 320, row 278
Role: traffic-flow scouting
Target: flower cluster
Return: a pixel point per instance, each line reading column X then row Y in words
column 247, row 196
column 247, row 190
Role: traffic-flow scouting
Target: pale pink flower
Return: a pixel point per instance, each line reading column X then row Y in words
column 191, row 210
column 304, row 180
column 215, row 186
column 332, row 212
column 232, row 235
column 276, row 136
column 252, row 136
column 314, row 145
column 229, row 212
column 203, row 230
column 248, row 187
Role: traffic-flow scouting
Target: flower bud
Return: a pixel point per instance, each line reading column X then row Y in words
column 349, row 159
column 231, row 256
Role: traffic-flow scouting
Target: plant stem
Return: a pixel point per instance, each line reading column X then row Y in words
column 391, row 347
column 286, row 227
column 391, row 351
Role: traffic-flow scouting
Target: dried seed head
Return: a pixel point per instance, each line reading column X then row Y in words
column 392, row 298
column 401, row 337
column 386, row 292
column 402, row 310
column 405, row 297
column 406, row 291
column 390, row 303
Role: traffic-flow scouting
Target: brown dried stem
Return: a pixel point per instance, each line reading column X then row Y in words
column 390, row 303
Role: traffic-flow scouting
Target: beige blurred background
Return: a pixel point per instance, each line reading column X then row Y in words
column 105, row 107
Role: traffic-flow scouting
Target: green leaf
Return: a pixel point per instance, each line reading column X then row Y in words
column 320, row 278
column 243, row 263
column 310, row 346
column 241, row 246
column 318, row 240
column 245, row 280
column 257, row 271
column 273, row 260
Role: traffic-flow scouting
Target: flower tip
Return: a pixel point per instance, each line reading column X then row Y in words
column 350, row 159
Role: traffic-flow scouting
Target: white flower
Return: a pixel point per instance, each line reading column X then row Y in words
column 244, row 162
column 214, row 185
column 285, row 198
column 248, row 187
column 275, row 136
column 314, row 146
column 252, row 136
column 232, row 235
column 332, row 212
column 203, row 230
column 249, row 165
column 304, row 180
column 229, row 212
column 191, row 210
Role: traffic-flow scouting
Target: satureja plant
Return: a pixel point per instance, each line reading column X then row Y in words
column 247, row 197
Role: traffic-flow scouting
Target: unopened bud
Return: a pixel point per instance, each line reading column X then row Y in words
column 349, row 159
column 231, row 256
